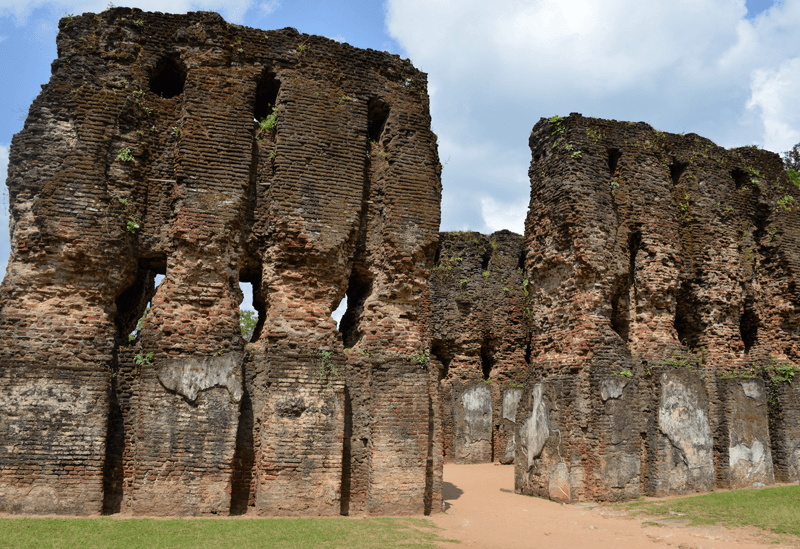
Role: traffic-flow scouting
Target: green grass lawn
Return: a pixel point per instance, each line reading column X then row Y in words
column 237, row 533
column 775, row 509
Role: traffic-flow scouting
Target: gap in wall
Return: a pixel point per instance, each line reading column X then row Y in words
column 168, row 78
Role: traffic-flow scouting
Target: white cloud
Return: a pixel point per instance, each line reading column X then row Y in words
column 496, row 68
column 504, row 216
column 775, row 93
column 269, row 7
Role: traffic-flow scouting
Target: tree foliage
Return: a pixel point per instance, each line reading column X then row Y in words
column 247, row 322
column 791, row 161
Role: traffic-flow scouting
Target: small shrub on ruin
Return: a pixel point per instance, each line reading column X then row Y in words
column 125, row 155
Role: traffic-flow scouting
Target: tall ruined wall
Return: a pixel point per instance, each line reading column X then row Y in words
column 142, row 156
column 479, row 337
column 663, row 273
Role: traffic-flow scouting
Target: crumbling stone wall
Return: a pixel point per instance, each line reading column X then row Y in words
column 143, row 156
column 480, row 339
column 663, row 275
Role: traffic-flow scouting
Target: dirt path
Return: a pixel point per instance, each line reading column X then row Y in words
column 482, row 511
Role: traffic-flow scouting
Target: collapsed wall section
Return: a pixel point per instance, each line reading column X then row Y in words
column 211, row 154
column 662, row 273
column 480, row 337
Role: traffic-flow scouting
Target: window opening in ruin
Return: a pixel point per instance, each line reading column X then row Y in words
column 625, row 295
column 168, row 78
column 338, row 313
column 266, row 96
column 378, row 114
column 486, row 257
column 443, row 353
column 676, row 169
column 740, row 178
column 687, row 321
column 748, row 324
column 487, row 360
column 134, row 301
column 521, row 264
column 358, row 290
column 139, row 323
column 613, row 159
column 252, row 310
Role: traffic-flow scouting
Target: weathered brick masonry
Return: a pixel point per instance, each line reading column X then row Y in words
column 663, row 273
column 480, row 333
column 650, row 310
column 140, row 157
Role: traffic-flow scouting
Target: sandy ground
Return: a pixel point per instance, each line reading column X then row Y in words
column 482, row 511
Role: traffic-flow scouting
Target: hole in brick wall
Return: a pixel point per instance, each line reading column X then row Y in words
column 676, row 169
column 528, row 351
column 139, row 323
column 740, row 178
column 748, row 325
column 338, row 313
column 443, row 354
column 358, row 290
column 521, row 264
column 266, row 95
column 687, row 320
column 621, row 299
column 168, row 78
column 536, row 157
column 486, row 257
column 487, row 360
column 378, row 113
column 613, row 159
column 134, row 301
column 252, row 311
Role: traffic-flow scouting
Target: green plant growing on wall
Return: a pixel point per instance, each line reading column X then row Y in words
column 594, row 135
column 786, row 203
column 556, row 124
column 518, row 377
column 143, row 361
column 625, row 372
column 421, row 358
column 139, row 323
column 124, row 155
column 327, row 372
column 270, row 122
column 132, row 223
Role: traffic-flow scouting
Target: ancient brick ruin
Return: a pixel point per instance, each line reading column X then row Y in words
column 479, row 342
column 142, row 156
column 639, row 339
column 663, row 277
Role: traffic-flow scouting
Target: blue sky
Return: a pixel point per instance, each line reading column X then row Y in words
column 726, row 69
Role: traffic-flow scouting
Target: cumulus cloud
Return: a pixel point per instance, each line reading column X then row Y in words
column 775, row 93
column 269, row 7
column 499, row 216
column 495, row 69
